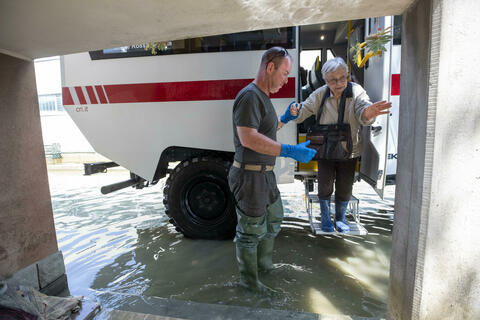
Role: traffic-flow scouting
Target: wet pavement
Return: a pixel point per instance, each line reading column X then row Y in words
column 122, row 243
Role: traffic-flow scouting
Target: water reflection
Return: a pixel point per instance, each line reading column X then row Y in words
column 122, row 243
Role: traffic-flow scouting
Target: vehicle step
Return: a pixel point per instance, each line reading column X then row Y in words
column 356, row 229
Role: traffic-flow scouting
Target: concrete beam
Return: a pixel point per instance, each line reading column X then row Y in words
column 33, row 26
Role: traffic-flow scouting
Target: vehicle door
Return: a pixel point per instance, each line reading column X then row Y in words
column 377, row 78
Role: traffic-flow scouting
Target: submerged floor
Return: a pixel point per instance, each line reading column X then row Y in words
column 122, row 243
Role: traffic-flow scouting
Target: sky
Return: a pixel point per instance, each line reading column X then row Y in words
column 48, row 75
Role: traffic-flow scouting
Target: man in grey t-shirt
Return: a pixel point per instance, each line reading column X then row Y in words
column 251, row 178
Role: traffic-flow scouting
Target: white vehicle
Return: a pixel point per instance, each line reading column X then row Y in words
column 145, row 111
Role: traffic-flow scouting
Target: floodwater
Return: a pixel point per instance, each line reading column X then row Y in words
column 123, row 243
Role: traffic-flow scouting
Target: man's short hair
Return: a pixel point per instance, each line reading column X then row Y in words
column 275, row 55
column 332, row 65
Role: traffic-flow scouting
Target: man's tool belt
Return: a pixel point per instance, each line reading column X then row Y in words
column 332, row 141
column 252, row 167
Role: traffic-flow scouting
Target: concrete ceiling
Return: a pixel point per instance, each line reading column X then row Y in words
column 41, row 28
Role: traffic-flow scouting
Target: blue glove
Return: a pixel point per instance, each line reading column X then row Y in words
column 299, row 152
column 287, row 115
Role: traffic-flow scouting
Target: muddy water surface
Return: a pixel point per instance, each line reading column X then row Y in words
column 123, row 243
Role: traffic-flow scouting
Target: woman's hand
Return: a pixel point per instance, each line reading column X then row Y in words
column 291, row 113
column 295, row 109
column 376, row 109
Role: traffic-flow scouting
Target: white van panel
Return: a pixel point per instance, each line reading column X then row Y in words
column 135, row 134
column 394, row 113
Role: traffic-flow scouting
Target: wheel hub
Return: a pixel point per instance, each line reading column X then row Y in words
column 206, row 200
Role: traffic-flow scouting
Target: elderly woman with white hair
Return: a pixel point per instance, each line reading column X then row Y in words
column 358, row 111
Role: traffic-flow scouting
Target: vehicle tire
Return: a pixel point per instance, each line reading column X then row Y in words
column 198, row 200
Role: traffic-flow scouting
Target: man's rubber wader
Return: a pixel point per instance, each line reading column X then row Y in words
column 254, row 242
column 265, row 246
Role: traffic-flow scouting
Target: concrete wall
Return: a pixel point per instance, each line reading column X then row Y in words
column 27, row 230
column 435, row 261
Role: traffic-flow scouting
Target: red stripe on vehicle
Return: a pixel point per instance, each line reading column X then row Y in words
column 173, row 91
column 101, row 95
column 67, row 97
column 395, row 85
column 185, row 91
column 91, row 95
column 81, row 97
column 287, row 91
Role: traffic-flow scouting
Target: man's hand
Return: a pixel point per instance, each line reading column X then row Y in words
column 291, row 113
column 299, row 152
column 376, row 109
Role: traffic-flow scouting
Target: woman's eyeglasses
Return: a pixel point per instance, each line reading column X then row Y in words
column 334, row 81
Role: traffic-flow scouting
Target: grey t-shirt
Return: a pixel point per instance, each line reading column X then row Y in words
column 253, row 109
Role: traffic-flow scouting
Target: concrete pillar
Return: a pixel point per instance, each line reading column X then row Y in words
column 28, row 246
column 435, row 263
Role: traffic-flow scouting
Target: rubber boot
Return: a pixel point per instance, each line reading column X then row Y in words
column 327, row 225
column 340, row 222
column 250, row 231
column 265, row 254
column 247, row 264
column 265, row 246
